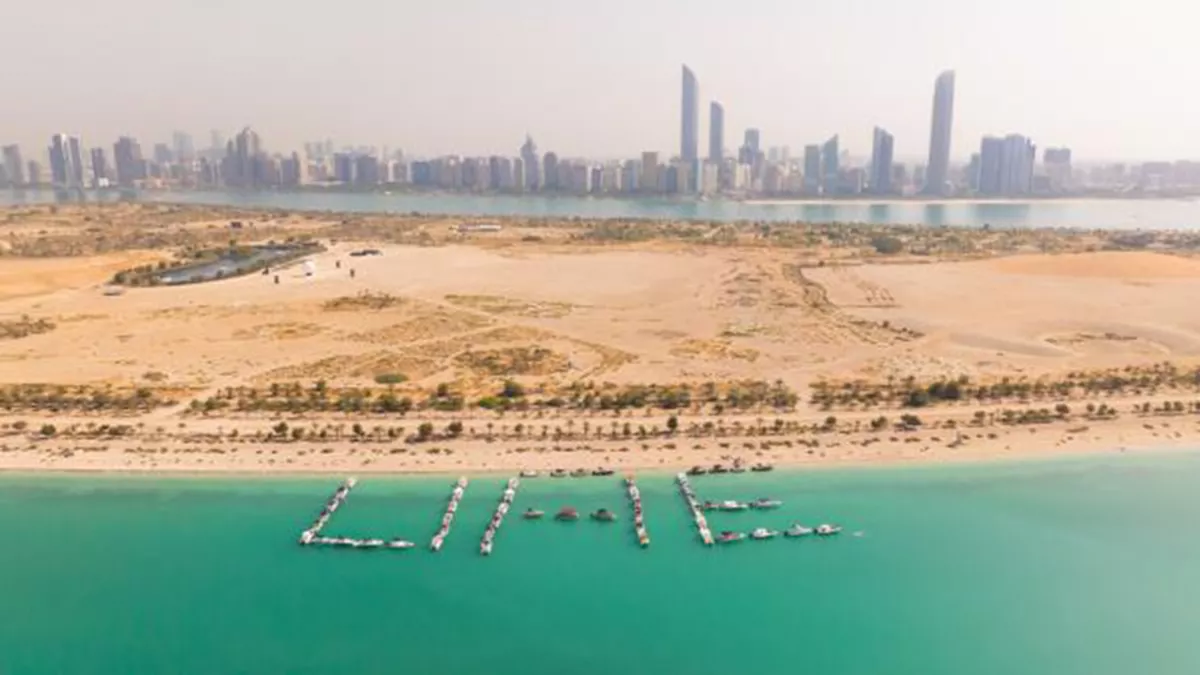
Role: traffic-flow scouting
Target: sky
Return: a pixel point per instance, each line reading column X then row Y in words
column 1111, row 80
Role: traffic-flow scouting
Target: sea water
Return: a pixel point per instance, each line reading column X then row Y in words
column 1065, row 567
column 1077, row 213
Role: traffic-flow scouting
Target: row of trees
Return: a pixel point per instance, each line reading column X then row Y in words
column 908, row 393
column 56, row 399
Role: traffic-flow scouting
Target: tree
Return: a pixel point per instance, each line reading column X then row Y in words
column 512, row 389
column 886, row 245
column 454, row 429
column 425, row 431
column 48, row 430
column 1063, row 410
column 672, row 424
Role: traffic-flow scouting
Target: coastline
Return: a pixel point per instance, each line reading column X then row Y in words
column 1057, row 440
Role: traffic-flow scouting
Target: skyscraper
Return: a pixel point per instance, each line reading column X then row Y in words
column 939, row 135
column 689, row 122
column 880, row 180
column 529, row 158
column 99, row 168
column 550, row 171
column 1006, row 165
column 181, row 142
column 66, row 161
column 650, row 171
column 751, row 146
column 13, row 165
column 716, row 131
column 829, row 166
column 812, row 169
column 244, row 163
column 127, row 156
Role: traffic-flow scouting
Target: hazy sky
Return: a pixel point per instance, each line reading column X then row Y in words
column 601, row 78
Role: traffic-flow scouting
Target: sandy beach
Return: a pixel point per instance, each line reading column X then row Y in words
column 524, row 338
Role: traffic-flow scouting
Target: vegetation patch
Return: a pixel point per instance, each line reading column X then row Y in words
column 24, row 327
column 514, row 361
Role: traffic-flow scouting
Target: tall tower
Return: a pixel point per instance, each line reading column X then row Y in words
column 939, row 135
column 66, row 161
column 689, row 122
column 881, row 163
column 532, row 164
column 716, row 131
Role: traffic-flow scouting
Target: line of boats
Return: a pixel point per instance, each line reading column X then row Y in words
column 349, row 542
column 761, row 504
column 639, row 519
column 563, row 473
column 506, row 500
column 736, row 467
column 689, row 496
column 312, row 534
column 448, row 518
column 570, row 513
column 795, row 531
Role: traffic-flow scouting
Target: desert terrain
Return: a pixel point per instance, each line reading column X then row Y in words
column 566, row 344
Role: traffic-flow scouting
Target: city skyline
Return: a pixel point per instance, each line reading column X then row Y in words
column 876, row 62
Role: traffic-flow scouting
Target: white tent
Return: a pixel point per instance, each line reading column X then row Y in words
column 309, row 268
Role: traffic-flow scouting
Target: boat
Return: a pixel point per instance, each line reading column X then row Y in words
column 567, row 513
column 825, row 529
column 762, row 467
column 400, row 543
column 533, row 514
column 737, row 468
column 764, row 503
column 579, row 473
column 718, row 468
column 529, row 473
column 558, row 473
column 485, row 548
column 374, row 543
column 697, row 471
column 733, row 506
column 603, row 515
column 763, row 533
column 603, row 472
column 711, row 506
column 728, row 537
column 797, row 530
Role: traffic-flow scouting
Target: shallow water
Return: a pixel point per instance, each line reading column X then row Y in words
column 1079, row 566
column 1080, row 213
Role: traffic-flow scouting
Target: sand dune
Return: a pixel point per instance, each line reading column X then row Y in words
column 1103, row 265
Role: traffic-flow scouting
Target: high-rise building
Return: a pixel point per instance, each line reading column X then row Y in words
column 550, row 171
column 716, row 132
column 1006, row 165
column 244, row 164
column 532, row 164
column 750, row 150
column 812, row 169
column 34, row 173
column 127, row 156
column 99, row 168
column 1058, row 168
column 829, row 166
column 650, row 172
column 66, row 161
column 880, row 180
column 185, row 150
column 1019, row 156
column 13, row 165
column 162, row 154
column 689, row 121
column 939, row 134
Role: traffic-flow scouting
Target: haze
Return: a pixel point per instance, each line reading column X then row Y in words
column 1109, row 80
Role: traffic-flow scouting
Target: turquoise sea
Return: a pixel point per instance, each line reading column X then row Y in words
column 1084, row 213
column 1069, row 567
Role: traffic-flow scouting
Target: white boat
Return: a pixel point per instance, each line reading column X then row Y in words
column 797, row 530
column 763, row 533
column 730, row 537
column 373, row 543
column 485, row 548
column 764, row 503
column 306, row 537
column 825, row 529
column 462, row 482
column 400, row 543
column 733, row 506
column 529, row 473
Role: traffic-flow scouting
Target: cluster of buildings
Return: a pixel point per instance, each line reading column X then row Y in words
column 1004, row 166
